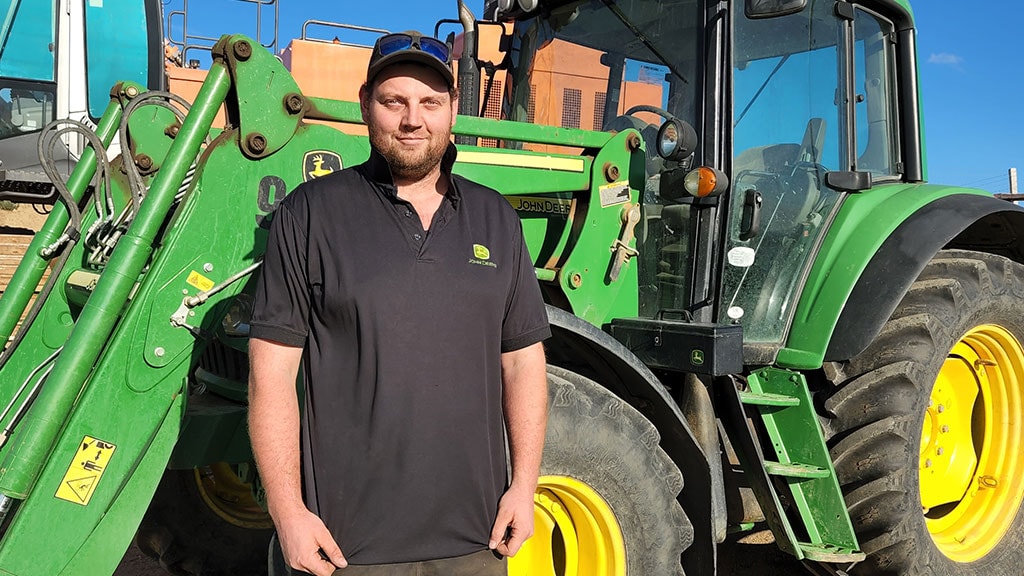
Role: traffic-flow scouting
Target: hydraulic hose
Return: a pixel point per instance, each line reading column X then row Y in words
column 35, row 437
column 23, row 284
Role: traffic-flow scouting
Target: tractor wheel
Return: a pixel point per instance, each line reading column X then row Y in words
column 205, row 521
column 606, row 501
column 928, row 425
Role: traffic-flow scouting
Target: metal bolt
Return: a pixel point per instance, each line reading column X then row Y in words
column 293, row 103
column 939, row 451
column 144, row 162
column 131, row 91
column 575, row 280
column 207, row 267
column 173, row 130
column 185, row 291
column 611, row 172
column 633, row 142
column 256, row 143
column 158, row 352
column 928, row 463
column 243, row 50
column 944, row 428
column 941, row 408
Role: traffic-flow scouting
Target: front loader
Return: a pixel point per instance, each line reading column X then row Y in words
column 762, row 315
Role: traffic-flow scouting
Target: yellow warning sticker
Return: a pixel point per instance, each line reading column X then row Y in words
column 85, row 471
column 199, row 281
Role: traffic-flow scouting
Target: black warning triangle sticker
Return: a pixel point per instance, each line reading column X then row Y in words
column 82, row 487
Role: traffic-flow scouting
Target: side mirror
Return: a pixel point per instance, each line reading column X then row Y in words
column 755, row 9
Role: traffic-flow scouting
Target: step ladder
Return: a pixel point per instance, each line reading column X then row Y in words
column 782, row 402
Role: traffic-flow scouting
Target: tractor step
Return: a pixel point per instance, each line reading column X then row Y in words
column 752, row 399
column 783, row 402
column 830, row 554
column 795, row 470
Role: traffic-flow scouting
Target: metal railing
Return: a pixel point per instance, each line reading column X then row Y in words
column 189, row 42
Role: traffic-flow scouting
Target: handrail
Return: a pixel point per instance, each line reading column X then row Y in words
column 328, row 24
column 187, row 41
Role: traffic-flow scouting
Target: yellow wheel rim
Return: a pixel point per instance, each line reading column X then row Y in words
column 971, row 466
column 229, row 497
column 575, row 533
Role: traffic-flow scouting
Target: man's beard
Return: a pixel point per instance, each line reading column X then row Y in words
column 409, row 164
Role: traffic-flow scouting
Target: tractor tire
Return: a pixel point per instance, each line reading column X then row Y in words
column 927, row 425
column 202, row 522
column 606, row 501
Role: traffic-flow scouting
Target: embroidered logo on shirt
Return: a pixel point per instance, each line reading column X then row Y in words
column 482, row 256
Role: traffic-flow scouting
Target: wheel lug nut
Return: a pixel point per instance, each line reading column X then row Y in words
column 942, row 408
column 945, row 428
column 928, row 463
column 939, row 451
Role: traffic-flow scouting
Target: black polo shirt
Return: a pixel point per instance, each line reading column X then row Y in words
column 403, row 329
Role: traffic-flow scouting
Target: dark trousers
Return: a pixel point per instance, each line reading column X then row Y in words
column 484, row 563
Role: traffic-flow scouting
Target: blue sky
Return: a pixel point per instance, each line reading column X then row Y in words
column 970, row 70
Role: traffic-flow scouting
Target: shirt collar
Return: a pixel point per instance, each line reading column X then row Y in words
column 378, row 171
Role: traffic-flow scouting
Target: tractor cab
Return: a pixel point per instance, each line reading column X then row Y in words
column 792, row 105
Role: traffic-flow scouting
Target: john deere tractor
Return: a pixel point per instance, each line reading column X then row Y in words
column 763, row 314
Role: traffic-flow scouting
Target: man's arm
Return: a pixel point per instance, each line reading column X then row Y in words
column 525, row 399
column 274, row 433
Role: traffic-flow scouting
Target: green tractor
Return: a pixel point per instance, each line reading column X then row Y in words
column 762, row 313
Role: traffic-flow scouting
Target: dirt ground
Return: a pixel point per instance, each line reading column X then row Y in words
column 23, row 219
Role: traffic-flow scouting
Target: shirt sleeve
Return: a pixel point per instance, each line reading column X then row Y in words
column 281, row 307
column 526, row 319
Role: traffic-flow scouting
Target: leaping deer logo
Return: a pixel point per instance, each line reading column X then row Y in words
column 317, row 163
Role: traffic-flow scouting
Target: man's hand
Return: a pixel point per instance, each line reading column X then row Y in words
column 303, row 536
column 514, row 524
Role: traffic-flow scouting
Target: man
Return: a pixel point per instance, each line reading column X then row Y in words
column 409, row 298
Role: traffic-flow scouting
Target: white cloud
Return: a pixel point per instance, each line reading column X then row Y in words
column 945, row 58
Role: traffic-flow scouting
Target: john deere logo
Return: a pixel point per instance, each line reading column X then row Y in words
column 482, row 256
column 317, row 163
column 697, row 357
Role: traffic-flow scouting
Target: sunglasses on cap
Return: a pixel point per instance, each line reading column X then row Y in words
column 393, row 43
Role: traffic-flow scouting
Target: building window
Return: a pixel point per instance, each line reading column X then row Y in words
column 599, row 100
column 571, row 100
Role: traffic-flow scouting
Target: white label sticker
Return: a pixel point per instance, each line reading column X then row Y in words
column 741, row 257
column 735, row 312
column 96, row 3
column 614, row 194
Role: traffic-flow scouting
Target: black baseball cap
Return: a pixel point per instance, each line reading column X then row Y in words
column 411, row 46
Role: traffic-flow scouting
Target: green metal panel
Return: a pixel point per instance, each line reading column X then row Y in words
column 864, row 222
